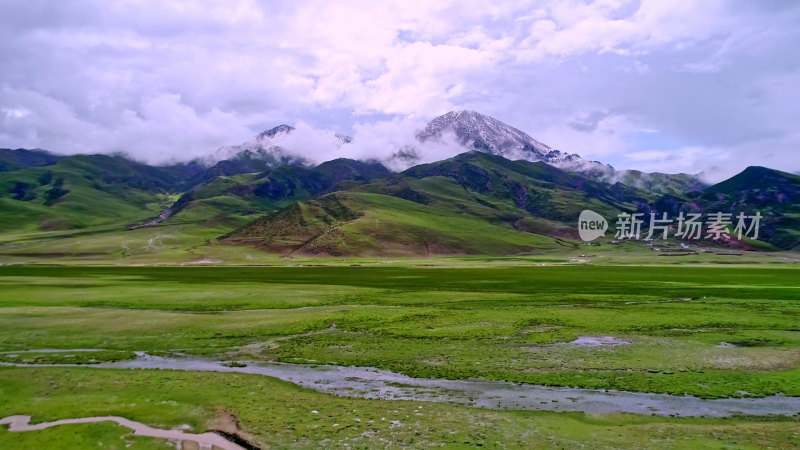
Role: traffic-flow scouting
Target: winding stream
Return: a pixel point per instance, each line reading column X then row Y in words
column 365, row 382
column 204, row 441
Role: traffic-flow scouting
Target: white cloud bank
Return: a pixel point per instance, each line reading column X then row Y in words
column 636, row 83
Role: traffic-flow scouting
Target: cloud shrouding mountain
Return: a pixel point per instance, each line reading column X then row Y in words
column 655, row 85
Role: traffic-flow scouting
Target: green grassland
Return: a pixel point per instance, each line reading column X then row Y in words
column 453, row 271
column 467, row 268
column 471, row 317
column 501, row 320
column 277, row 414
column 504, row 323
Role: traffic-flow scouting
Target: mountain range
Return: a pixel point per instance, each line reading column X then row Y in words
column 505, row 194
column 470, row 129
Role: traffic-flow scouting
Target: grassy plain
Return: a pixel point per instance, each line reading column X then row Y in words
column 277, row 414
column 711, row 330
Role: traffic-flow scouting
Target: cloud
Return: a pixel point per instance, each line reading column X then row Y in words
column 590, row 121
column 160, row 129
column 386, row 140
column 175, row 79
column 595, row 135
column 682, row 159
column 374, row 140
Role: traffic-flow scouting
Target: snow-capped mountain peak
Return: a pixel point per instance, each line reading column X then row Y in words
column 487, row 134
column 285, row 144
column 476, row 131
column 275, row 131
column 274, row 147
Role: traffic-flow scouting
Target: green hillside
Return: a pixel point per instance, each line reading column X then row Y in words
column 474, row 203
column 367, row 224
column 756, row 178
column 21, row 158
column 257, row 193
column 81, row 192
column 772, row 193
column 661, row 183
column 522, row 188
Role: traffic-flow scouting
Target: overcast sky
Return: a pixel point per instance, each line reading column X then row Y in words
column 675, row 86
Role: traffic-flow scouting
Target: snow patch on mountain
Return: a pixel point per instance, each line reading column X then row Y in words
column 283, row 144
column 485, row 133
column 443, row 137
column 475, row 131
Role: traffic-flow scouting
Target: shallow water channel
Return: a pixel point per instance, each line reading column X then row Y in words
column 366, row 382
column 372, row 383
column 204, row 441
